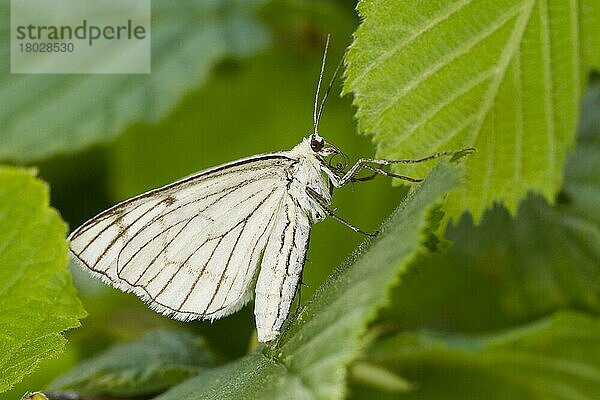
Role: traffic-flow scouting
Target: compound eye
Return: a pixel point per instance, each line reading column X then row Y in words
column 316, row 145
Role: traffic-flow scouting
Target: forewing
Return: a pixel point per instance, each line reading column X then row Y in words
column 281, row 269
column 191, row 248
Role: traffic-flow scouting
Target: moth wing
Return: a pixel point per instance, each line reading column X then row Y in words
column 281, row 269
column 191, row 248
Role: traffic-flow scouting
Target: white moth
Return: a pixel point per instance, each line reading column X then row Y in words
column 191, row 249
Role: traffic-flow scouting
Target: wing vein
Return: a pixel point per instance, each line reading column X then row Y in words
column 287, row 267
column 118, row 236
column 151, row 222
column 172, row 277
column 81, row 231
column 253, row 250
column 245, row 220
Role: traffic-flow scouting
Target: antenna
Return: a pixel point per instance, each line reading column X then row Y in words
column 315, row 113
column 328, row 90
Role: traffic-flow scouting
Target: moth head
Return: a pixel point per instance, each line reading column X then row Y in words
column 319, row 146
column 329, row 154
column 316, row 143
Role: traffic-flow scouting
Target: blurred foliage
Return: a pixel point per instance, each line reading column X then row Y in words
column 491, row 314
column 187, row 40
column 555, row 358
column 37, row 298
column 157, row 361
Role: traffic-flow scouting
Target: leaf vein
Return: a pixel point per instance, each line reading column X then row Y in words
column 453, row 9
column 446, row 60
column 505, row 58
column 548, row 89
column 449, row 99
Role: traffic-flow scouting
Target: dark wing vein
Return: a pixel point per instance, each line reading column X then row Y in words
column 287, row 262
column 253, row 250
column 172, row 210
column 205, row 264
column 118, row 236
column 158, row 255
column 172, row 277
column 163, row 215
column 218, row 288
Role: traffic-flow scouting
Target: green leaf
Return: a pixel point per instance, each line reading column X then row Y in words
column 147, row 366
column 309, row 359
column 37, row 298
column 555, row 358
column 47, row 114
column 502, row 76
column 513, row 270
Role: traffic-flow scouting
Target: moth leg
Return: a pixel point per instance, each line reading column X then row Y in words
column 299, row 294
column 380, row 171
column 365, row 178
column 316, row 197
column 348, row 224
column 364, row 163
column 419, row 160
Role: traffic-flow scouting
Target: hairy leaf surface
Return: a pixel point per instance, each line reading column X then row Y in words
column 37, row 299
column 502, row 76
